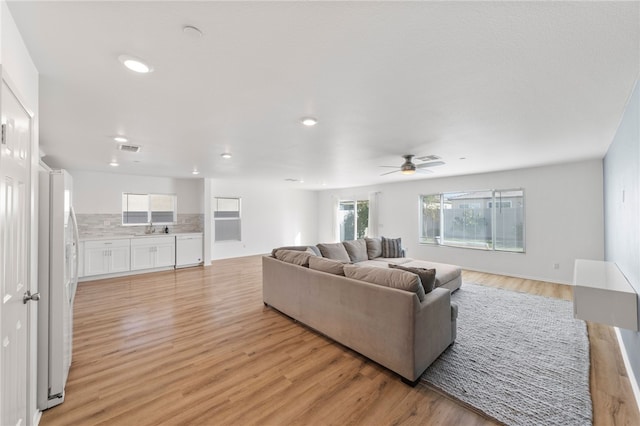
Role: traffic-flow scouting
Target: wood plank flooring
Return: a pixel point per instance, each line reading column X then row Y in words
column 197, row 346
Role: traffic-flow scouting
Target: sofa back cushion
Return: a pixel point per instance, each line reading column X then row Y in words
column 394, row 278
column 391, row 247
column 330, row 266
column 427, row 276
column 310, row 249
column 334, row 251
column 296, row 257
column 357, row 250
column 374, row 247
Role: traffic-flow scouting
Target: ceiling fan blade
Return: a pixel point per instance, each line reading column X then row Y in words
column 393, row 167
column 431, row 164
column 426, row 171
column 388, row 173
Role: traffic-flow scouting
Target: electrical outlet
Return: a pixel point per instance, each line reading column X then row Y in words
column 556, row 266
column 107, row 223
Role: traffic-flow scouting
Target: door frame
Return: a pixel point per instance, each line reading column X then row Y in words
column 32, row 416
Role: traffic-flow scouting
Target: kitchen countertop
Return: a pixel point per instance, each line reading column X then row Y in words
column 129, row 236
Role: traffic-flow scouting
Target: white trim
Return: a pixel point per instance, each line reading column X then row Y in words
column 627, row 366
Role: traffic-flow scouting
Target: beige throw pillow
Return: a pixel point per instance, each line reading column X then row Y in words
column 335, row 251
column 394, row 278
column 374, row 247
column 330, row 266
column 356, row 249
column 294, row 256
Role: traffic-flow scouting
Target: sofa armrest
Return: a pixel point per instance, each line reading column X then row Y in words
column 432, row 332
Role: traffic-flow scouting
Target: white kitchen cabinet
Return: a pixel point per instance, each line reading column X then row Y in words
column 153, row 252
column 188, row 250
column 106, row 257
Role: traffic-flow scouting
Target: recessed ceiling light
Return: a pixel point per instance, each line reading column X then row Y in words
column 309, row 121
column 135, row 64
column 463, row 158
column 114, row 164
column 191, row 31
column 226, row 155
column 121, row 139
column 195, row 172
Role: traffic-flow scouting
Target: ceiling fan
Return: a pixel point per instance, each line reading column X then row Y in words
column 409, row 167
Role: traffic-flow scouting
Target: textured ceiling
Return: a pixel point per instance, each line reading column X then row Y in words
column 503, row 84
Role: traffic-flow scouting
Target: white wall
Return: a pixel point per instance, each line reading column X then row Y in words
column 271, row 217
column 563, row 214
column 101, row 193
column 21, row 72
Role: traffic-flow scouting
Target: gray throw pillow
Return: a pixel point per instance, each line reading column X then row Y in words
column 357, row 250
column 335, row 251
column 330, row 266
column 374, row 247
column 427, row 276
column 391, row 247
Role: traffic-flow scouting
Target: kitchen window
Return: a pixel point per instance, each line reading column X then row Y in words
column 149, row 209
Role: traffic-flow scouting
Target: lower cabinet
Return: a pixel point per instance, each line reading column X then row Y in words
column 106, row 257
column 153, row 252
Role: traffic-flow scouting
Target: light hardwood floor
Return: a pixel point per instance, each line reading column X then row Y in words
column 197, row 346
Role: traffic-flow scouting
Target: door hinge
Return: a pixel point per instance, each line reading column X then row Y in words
column 4, row 134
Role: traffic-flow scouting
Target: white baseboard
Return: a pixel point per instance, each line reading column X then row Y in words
column 627, row 366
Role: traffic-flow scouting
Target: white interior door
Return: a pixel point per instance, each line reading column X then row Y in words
column 14, row 263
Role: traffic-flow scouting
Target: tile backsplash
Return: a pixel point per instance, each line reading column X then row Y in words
column 106, row 225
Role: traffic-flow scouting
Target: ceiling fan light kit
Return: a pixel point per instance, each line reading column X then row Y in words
column 409, row 167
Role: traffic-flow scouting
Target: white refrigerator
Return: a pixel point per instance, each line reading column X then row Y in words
column 57, row 280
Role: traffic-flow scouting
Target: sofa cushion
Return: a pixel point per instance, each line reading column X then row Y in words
column 314, row 249
column 444, row 271
column 296, row 257
column 391, row 247
column 356, row 249
column 334, row 251
column 374, row 247
column 394, row 278
column 427, row 276
column 330, row 266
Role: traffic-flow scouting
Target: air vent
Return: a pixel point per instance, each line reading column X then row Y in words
column 129, row 148
column 291, row 180
column 429, row 158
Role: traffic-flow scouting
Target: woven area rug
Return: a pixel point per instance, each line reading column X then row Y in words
column 518, row 358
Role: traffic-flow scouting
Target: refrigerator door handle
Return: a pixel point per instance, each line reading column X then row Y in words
column 76, row 245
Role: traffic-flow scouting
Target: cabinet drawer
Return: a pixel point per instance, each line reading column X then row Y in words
column 106, row 243
column 152, row 241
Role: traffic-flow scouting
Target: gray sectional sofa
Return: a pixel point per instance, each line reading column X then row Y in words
column 381, row 312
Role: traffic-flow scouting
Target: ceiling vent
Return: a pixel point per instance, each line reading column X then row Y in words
column 126, row 147
column 429, row 158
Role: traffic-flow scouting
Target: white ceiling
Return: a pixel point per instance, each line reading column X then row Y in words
column 504, row 84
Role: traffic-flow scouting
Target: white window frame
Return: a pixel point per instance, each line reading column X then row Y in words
column 355, row 201
column 499, row 204
column 226, row 221
column 149, row 211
